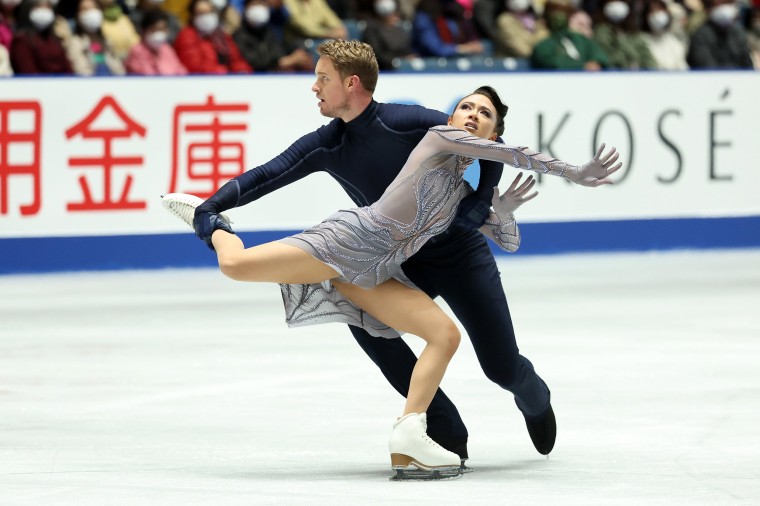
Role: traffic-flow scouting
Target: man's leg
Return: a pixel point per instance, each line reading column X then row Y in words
column 396, row 361
column 467, row 278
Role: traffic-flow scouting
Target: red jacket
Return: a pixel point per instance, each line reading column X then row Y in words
column 216, row 54
column 35, row 53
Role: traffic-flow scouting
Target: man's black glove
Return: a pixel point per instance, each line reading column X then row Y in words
column 205, row 222
column 472, row 212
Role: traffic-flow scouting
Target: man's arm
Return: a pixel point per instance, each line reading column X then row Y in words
column 299, row 160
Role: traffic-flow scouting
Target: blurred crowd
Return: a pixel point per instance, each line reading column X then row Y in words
column 177, row 37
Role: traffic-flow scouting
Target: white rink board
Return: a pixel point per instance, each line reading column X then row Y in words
column 689, row 140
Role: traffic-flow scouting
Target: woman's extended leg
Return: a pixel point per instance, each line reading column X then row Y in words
column 412, row 311
column 271, row 262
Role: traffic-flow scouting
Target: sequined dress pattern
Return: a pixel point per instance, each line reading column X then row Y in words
column 367, row 245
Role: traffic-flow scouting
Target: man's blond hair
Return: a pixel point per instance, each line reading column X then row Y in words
column 352, row 57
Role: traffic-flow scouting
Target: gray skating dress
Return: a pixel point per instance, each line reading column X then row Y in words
column 367, row 245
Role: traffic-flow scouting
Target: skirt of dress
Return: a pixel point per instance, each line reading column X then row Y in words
column 366, row 250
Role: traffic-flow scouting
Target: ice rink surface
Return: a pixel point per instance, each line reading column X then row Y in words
column 180, row 387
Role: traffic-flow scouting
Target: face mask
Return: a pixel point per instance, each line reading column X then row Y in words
column 518, row 5
column 724, row 15
column 90, row 20
column 658, row 20
column 219, row 4
column 41, row 17
column 206, row 23
column 616, row 11
column 156, row 39
column 385, row 7
column 257, row 15
column 557, row 21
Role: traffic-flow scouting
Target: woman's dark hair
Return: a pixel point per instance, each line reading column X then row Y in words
column 152, row 17
column 501, row 107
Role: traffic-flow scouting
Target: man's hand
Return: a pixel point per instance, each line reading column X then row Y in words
column 206, row 222
column 472, row 212
column 595, row 172
column 515, row 196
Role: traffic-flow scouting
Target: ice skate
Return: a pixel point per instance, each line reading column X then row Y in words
column 414, row 456
column 182, row 205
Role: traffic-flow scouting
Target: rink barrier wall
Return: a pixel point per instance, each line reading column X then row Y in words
column 80, row 178
column 156, row 251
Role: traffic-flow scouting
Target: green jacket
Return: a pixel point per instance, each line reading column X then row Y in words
column 625, row 50
column 552, row 53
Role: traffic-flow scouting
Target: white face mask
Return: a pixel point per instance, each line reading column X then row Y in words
column 724, row 15
column 658, row 20
column 257, row 15
column 616, row 11
column 41, row 17
column 91, row 19
column 518, row 5
column 154, row 40
column 385, row 7
column 206, row 23
column 219, row 4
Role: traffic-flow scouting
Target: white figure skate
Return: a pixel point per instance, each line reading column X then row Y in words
column 182, row 205
column 414, row 456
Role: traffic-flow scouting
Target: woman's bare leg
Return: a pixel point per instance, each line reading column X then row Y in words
column 272, row 262
column 412, row 311
column 391, row 302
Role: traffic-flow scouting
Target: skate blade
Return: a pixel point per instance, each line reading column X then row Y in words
column 416, row 474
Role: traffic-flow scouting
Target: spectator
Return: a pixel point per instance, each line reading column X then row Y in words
column 484, row 16
column 5, row 63
column 519, row 29
column 7, row 23
column 229, row 16
column 441, row 29
column 143, row 6
column 203, row 47
column 668, row 51
column 154, row 55
column 35, row 48
column 580, row 22
column 312, row 19
column 720, row 43
column 563, row 49
column 262, row 47
column 179, row 8
column 117, row 28
column 616, row 29
column 386, row 34
column 88, row 50
column 753, row 34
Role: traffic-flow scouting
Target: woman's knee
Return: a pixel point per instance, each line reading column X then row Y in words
column 449, row 336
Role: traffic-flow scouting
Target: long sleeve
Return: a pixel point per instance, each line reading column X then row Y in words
column 296, row 162
column 503, row 231
column 459, row 142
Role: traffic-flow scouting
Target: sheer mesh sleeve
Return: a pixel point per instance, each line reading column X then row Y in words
column 460, row 142
column 503, row 231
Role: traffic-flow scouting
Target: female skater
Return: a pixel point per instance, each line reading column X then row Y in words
column 348, row 267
